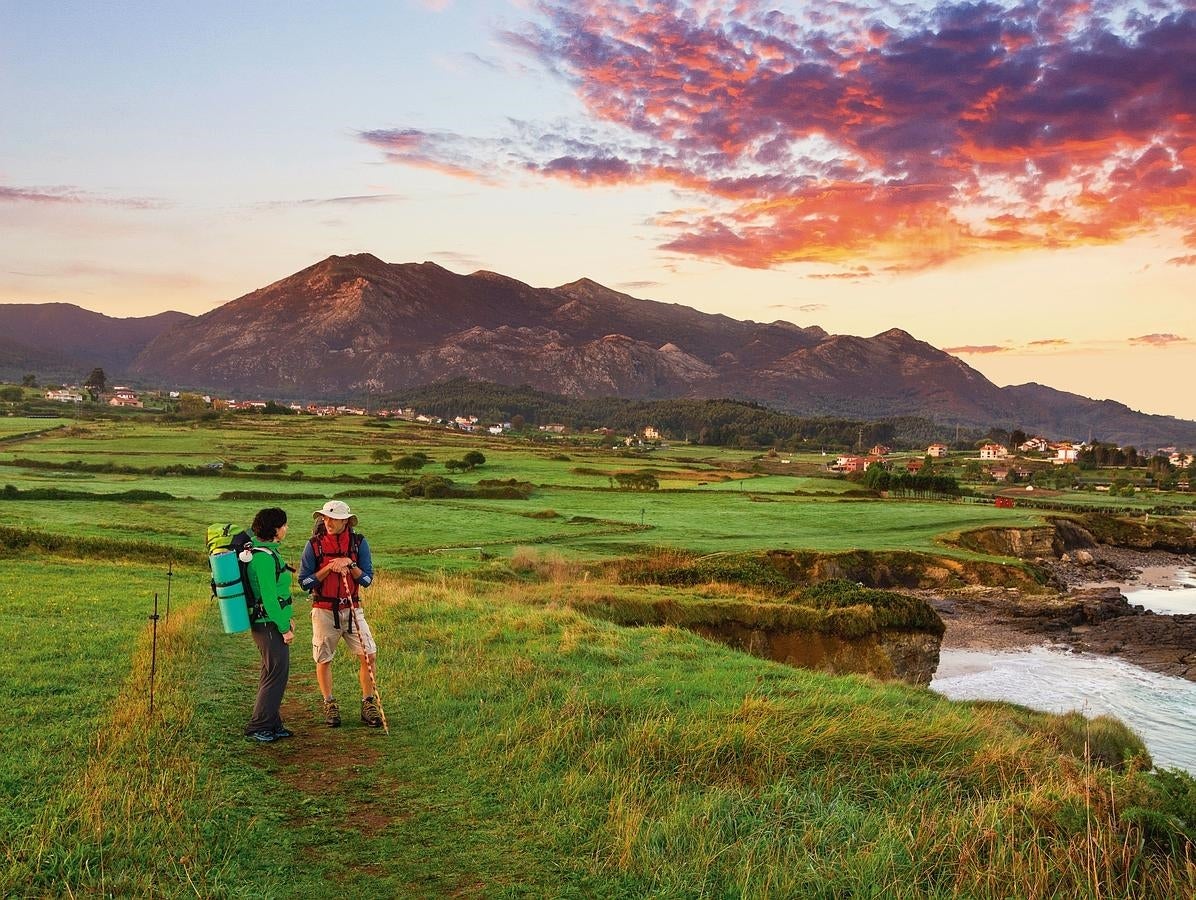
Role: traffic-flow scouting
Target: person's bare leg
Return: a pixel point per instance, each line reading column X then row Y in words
column 324, row 678
column 363, row 675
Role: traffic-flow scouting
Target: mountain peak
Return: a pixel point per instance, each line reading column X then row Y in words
column 897, row 336
column 586, row 286
column 497, row 277
column 358, row 259
column 400, row 325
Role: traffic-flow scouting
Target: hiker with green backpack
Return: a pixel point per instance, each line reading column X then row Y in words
column 269, row 582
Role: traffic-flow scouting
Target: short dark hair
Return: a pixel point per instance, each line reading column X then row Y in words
column 267, row 522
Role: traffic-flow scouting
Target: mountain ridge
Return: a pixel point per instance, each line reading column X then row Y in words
column 352, row 324
column 355, row 324
column 59, row 339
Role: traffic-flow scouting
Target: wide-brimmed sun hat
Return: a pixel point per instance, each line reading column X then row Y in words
column 334, row 509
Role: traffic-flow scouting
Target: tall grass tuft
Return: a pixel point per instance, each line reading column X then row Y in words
column 142, row 817
column 546, row 566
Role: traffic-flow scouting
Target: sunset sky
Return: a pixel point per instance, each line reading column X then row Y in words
column 1012, row 182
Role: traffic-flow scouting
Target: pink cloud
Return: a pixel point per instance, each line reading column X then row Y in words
column 72, row 195
column 1158, row 340
column 905, row 136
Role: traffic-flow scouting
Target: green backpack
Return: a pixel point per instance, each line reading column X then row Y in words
column 224, row 537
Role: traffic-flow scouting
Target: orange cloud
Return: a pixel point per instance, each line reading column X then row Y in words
column 972, row 349
column 901, row 136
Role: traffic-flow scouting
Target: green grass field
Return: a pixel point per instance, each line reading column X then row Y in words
column 534, row 751
column 694, row 510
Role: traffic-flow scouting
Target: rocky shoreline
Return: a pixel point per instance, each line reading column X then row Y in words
column 1090, row 614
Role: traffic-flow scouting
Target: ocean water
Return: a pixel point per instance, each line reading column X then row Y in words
column 1160, row 708
column 1169, row 601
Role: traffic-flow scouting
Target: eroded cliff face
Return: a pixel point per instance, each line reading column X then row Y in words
column 905, row 569
column 1020, row 543
column 910, row 656
column 1067, row 534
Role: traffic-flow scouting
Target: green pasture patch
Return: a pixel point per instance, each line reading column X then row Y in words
column 15, row 425
column 782, row 484
column 76, row 624
column 708, row 523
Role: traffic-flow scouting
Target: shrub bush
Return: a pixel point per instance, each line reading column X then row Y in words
column 10, row 492
column 266, row 495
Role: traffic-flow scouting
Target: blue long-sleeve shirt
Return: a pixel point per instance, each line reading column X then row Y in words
column 308, row 567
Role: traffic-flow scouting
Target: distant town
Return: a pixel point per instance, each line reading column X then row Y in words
column 1001, row 461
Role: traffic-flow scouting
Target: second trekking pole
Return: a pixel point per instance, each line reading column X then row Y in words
column 371, row 659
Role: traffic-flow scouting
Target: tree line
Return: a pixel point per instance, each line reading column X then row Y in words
column 721, row 423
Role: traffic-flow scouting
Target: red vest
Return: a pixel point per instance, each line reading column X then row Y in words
column 333, row 587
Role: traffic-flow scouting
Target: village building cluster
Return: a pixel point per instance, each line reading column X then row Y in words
column 1058, row 453
column 127, row 397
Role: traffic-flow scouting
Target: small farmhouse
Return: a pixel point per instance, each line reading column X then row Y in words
column 123, row 396
column 66, row 395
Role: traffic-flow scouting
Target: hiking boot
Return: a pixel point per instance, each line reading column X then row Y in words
column 262, row 737
column 370, row 714
column 282, row 732
column 332, row 713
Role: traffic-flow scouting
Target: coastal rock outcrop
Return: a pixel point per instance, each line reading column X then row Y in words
column 1096, row 620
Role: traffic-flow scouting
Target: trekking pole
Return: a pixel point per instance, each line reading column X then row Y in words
column 154, row 655
column 370, row 663
column 169, row 578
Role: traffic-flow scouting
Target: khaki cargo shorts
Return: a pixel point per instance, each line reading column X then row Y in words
column 325, row 636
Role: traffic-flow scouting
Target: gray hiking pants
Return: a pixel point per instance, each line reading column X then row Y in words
column 276, row 668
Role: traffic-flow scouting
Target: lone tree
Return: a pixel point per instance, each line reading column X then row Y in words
column 409, row 463
column 381, row 455
column 473, row 459
column 192, row 405
column 637, row 481
column 96, row 382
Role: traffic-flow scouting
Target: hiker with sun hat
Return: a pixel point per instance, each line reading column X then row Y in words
column 336, row 564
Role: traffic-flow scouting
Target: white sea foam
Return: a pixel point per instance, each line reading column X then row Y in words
column 1160, row 708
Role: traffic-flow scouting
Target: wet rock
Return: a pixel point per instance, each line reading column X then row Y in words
column 1095, row 619
column 1070, row 535
column 1165, row 644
